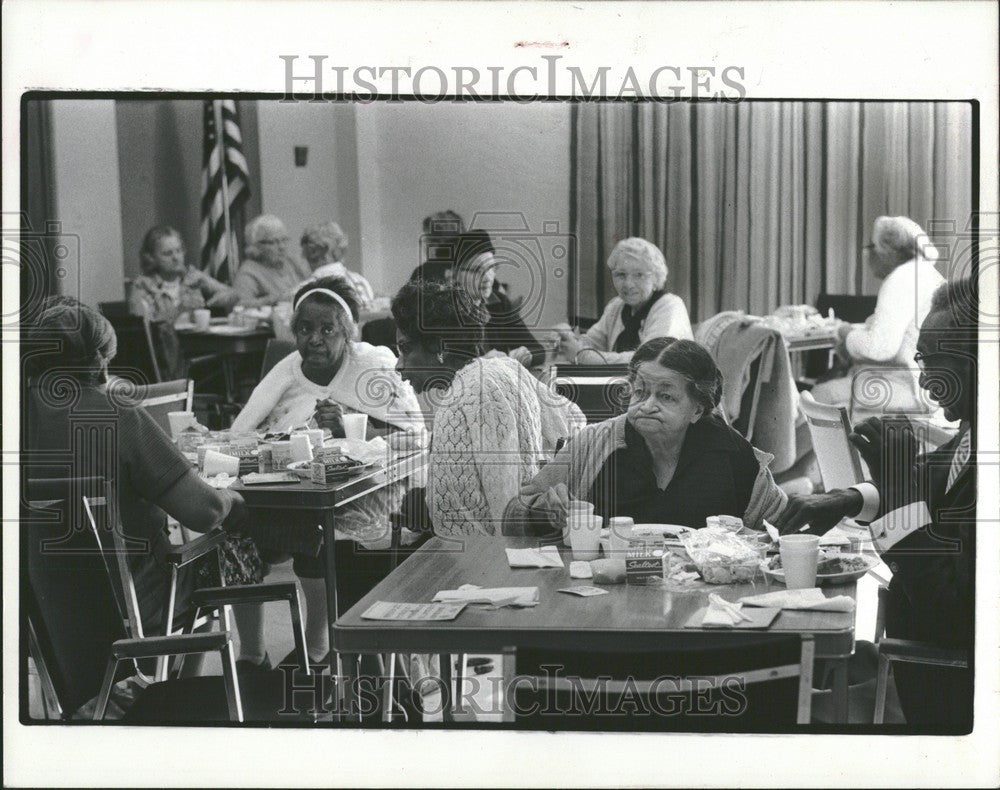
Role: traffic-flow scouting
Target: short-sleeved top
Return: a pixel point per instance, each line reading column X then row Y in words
column 102, row 435
column 715, row 476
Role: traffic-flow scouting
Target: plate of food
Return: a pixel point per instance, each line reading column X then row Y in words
column 831, row 568
column 335, row 470
column 670, row 534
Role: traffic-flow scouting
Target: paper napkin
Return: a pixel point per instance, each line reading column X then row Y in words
column 544, row 557
column 811, row 598
column 496, row 596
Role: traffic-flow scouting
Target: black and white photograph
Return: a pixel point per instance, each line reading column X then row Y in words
column 382, row 408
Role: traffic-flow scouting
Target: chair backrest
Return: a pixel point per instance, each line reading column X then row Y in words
column 673, row 689
column 847, row 307
column 839, row 462
column 601, row 391
column 274, row 352
column 136, row 357
column 161, row 399
column 69, row 600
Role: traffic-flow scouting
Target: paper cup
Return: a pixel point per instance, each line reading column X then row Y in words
column 355, row 425
column 202, row 319
column 179, row 420
column 315, row 438
column 585, row 536
column 300, row 447
column 799, row 555
column 576, row 507
column 217, row 463
column 619, row 532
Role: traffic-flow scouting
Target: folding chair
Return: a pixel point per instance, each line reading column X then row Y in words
column 167, row 396
column 546, row 688
column 81, row 645
column 840, row 464
column 601, row 391
column 906, row 650
column 96, row 499
column 274, row 352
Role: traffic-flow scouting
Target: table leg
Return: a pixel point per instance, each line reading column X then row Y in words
column 447, row 695
column 332, row 611
column 350, row 702
column 840, row 706
column 229, row 378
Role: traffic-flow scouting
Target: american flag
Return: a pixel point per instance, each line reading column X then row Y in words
column 224, row 190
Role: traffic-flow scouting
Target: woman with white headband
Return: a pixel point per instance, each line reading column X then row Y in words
column 882, row 374
column 329, row 374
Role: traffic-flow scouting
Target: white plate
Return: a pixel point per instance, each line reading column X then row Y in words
column 830, row 578
column 671, row 532
column 303, row 469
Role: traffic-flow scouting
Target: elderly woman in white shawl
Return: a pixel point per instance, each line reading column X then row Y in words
column 883, row 375
column 329, row 375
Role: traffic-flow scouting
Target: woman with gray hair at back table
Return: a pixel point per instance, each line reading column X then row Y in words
column 323, row 247
column 641, row 311
column 269, row 274
column 882, row 374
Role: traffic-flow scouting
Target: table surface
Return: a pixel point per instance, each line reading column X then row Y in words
column 639, row 616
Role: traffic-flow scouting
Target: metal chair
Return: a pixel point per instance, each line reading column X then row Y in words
column 274, row 352
column 557, row 680
column 167, row 396
column 601, row 391
column 81, row 642
column 840, row 464
column 906, row 650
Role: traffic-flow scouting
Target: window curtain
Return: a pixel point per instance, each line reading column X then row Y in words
column 38, row 210
column 759, row 204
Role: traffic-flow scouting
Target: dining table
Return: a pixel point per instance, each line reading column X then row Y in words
column 302, row 516
column 647, row 617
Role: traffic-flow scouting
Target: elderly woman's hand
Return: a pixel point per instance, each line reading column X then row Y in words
column 329, row 415
column 590, row 356
column 569, row 345
column 554, row 502
column 408, row 441
column 521, row 354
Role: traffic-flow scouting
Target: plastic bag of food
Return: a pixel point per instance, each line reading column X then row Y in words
column 722, row 556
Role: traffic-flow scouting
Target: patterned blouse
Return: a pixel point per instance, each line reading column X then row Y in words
column 159, row 300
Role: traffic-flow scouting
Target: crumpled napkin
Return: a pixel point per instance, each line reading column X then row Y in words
column 495, row 596
column 544, row 557
column 811, row 598
column 580, row 569
column 722, row 614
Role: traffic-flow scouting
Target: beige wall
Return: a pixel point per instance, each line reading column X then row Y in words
column 327, row 187
column 506, row 165
column 88, row 197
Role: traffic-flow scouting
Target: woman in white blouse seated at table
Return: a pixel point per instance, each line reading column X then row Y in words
column 641, row 311
column 329, row 374
column 883, row 375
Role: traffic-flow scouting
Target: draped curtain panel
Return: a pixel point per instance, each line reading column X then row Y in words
column 759, row 204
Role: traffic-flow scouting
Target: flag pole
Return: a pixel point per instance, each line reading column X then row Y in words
column 221, row 147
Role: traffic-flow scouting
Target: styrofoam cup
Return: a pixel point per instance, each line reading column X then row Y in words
column 585, row 536
column 799, row 556
column 179, row 420
column 355, row 425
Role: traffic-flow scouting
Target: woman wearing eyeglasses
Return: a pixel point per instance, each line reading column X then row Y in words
column 642, row 310
column 328, row 375
column 670, row 459
column 882, row 375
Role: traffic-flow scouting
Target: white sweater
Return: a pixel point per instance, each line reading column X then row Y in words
column 668, row 317
column 487, row 442
column 367, row 382
column 890, row 333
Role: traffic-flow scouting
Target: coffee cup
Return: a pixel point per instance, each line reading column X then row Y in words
column 585, row 536
column 576, row 506
column 179, row 420
column 355, row 425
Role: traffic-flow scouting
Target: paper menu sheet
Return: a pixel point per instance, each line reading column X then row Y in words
column 387, row 610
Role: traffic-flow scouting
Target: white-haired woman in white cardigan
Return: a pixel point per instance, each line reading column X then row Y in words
column 883, row 374
column 641, row 311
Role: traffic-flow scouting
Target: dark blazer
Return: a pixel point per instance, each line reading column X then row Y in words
column 506, row 330
column 932, row 596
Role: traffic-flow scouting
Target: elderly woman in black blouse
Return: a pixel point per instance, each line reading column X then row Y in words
column 669, row 459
